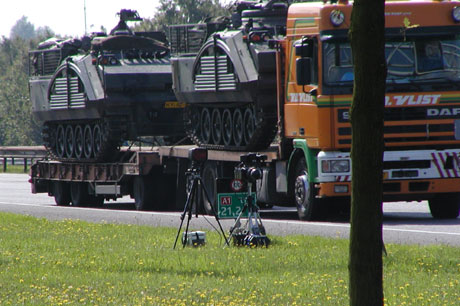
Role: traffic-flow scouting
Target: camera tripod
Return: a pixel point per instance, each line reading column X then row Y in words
column 253, row 233
column 192, row 203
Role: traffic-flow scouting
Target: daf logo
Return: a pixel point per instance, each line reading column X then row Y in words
column 440, row 112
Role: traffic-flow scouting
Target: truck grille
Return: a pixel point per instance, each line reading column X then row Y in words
column 409, row 125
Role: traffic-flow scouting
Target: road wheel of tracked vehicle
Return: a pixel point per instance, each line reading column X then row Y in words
column 238, row 127
column 209, row 176
column 205, row 125
column 445, row 206
column 61, row 193
column 88, row 141
column 79, row 141
column 227, row 127
column 69, row 141
column 308, row 206
column 216, row 130
column 60, row 141
column 97, row 139
column 249, row 125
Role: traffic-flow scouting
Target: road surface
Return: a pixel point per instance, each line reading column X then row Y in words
column 404, row 222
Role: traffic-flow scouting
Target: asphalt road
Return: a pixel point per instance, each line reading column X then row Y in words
column 404, row 222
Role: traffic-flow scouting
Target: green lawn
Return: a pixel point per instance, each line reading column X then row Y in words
column 77, row 263
column 14, row 168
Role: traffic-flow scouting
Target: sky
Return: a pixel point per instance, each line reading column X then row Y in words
column 67, row 17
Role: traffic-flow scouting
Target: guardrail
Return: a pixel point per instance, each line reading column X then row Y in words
column 9, row 155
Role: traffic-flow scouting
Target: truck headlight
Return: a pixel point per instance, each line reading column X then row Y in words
column 335, row 166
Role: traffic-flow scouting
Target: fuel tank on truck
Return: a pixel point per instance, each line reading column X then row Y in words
column 228, row 81
column 94, row 93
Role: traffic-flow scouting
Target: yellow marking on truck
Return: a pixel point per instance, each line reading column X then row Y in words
column 174, row 104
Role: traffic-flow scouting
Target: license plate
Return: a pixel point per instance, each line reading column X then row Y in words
column 174, row 104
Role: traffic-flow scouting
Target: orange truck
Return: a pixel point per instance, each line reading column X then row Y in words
column 422, row 104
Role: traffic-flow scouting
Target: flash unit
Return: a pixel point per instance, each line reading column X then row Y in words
column 198, row 154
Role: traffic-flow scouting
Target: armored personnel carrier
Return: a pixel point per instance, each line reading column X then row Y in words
column 229, row 81
column 91, row 94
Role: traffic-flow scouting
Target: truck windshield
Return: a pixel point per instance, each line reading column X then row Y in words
column 422, row 64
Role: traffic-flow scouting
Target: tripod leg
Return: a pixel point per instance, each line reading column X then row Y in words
column 186, row 208
column 190, row 211
column 213, row 210
column 232, row 229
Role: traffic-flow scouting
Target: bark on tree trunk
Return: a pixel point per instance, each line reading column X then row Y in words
column 367, row 111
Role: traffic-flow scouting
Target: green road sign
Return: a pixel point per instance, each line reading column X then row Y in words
column 230, row 205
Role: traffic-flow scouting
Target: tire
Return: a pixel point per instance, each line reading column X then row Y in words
column 69, row 139
column 95, row 201
column 79, row 141
column 308, row 206
column 60, row 141
column 209, row 176
column 238, row 127
column 143, row 191
column 88, row 141
column 206, row 126
column 79, row 194
column 445, row 206
column 61, row 192
column 227, row 127
column 216, row 124
column 249, row 125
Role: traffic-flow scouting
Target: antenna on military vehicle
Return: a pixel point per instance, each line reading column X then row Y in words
column 84, row 12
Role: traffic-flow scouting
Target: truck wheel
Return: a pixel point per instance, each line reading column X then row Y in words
column 79, row 194
column 445, row 206
column 308, row 206
column 143, row 190
column 96, row 201
column 61, row 192
column 209, row 176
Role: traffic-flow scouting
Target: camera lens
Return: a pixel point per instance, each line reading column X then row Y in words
column 254, row 173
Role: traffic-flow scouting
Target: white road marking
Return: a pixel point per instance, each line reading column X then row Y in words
column 319, row 224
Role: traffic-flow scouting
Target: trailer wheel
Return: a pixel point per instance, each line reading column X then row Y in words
column 209, row 176
column 445, row 206
column 308, row 206
column 143, row 190
column 79, row 194
column 61, row 192
column 96, row 201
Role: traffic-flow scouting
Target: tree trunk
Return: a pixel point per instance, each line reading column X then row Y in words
column 367, row 111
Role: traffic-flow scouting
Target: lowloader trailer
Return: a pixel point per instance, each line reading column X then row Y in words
column 155, row 178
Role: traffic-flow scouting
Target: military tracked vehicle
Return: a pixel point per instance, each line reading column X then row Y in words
column 229, row 80
column 94, row 93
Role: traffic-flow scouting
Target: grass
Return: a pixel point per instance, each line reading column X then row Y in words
column 14, row 168
column 77, row 263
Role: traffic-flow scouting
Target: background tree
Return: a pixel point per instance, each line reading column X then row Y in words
column 367, row 114
column 17, row 127
column 182, row 11
column 23, row 29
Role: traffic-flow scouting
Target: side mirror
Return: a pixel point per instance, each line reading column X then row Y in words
column 304, row 48
column 303, row 71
